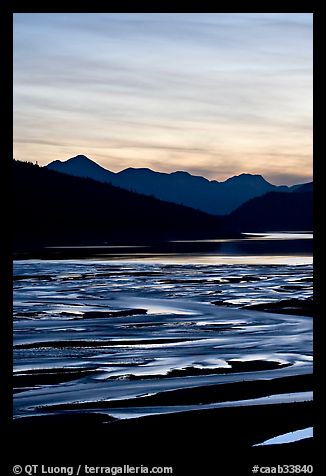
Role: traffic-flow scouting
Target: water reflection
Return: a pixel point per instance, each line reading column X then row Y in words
column 194, row 259
column 254, row 248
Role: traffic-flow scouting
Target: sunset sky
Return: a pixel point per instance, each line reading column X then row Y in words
column 211, row 93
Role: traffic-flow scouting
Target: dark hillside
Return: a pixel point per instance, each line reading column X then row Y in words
column 51, row 208
column 274, row 212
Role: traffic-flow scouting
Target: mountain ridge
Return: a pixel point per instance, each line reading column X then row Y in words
column 181, row 187
column 56, row 209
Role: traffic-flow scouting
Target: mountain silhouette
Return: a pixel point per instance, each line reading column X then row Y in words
column 305, row 187
column 82, row 166
column 52, row 208
column 275, row 212
column 218, row 198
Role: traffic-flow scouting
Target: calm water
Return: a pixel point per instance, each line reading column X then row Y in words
column 134, row 334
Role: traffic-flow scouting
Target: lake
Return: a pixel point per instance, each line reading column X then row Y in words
column 137, row 331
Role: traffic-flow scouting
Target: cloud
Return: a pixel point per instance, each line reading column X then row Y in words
column 221, row 93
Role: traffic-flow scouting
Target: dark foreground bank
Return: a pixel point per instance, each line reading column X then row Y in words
column 199, row 442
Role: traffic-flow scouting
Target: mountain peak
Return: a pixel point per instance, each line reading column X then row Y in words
column 135, row 170
column 80, row 158
column 181, row 173
column 81, row 166
column 244, row 177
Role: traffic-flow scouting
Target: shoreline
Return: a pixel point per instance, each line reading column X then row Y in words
column 227, row 245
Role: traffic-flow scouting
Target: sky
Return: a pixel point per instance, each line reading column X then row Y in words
column 215, row 94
